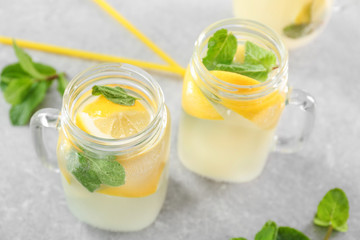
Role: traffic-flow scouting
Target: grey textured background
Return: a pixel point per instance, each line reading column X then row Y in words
column 32, row 205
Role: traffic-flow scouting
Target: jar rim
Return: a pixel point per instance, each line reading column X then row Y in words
column 267, row 35
column 107, row 144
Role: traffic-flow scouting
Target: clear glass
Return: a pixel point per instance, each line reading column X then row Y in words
column 227, row 130
column 297, row 21
column 144, row 155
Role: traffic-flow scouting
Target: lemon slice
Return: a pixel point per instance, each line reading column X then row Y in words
column 264, row 111
column 305, row 14
column 105, row 119
column 195, row 103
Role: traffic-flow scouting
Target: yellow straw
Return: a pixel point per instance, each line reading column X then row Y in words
column 90, row 55
column 122, row 20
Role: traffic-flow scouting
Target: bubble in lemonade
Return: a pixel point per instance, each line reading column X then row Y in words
column 228, row 122
column 297, row 21
column 126, row 200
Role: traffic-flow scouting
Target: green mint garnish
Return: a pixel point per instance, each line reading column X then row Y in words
column 259, row 56
column 268, row 232
column 222, row 46
column 258, row 72
column 333, row 211
column 114, row 94
column 287, row 233
column 17, row 90
column 20, row 113
column 92, row 171
column 221, row 49
column 25, row 84
column 297, row 30
column 27, row 64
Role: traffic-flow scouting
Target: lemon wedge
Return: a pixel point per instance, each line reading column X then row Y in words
column 105, row 119
column 195, row 103
column 264, row 111
column 305, row 14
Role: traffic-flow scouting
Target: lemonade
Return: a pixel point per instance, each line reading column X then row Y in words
column 297, row 21
column 224, row 150
column 113, row 149
column 234, row 93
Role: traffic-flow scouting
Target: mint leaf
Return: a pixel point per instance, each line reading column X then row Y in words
column 333, row 210
column 17, row 90
column 297, row 30
column 25, row 84
column 287, row 233
column 92, row 170
column 109, row 171
column 320, row 223
column 44, row 69
column 238, row 239
column 256, row 55
column 114, row 94
column 82, row 171
column 26, row 63
column 11, row 72
column 20, row 114
column 15, row 71
column 342, row 228
column 62, row 83
column 221, row 49
column 258, row 72
column 268, row 232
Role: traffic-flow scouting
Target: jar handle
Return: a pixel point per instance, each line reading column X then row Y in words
column 49, row 118
column 306, row 103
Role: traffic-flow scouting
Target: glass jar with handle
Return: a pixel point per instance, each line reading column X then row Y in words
column 113, row 159
column 228, row 123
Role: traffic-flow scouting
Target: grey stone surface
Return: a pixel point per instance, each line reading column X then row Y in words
column 32, row 204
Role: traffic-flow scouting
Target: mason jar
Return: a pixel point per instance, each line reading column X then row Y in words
column 227, row 129
column 144, row 155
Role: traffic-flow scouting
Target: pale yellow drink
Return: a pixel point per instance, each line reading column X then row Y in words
column 114, row 213
column 225, row 139
column 134, row 205
column 304, row 19
column 233, row 149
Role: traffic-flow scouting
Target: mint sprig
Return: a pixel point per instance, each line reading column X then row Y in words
column 92, row 171
column 298, row 30
column 287, row 233
column 258, row 72
column 221, row 49
column 114, row 94
column 25, row 84
column 256, row 55
column 333, row 212
column 222, row 46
